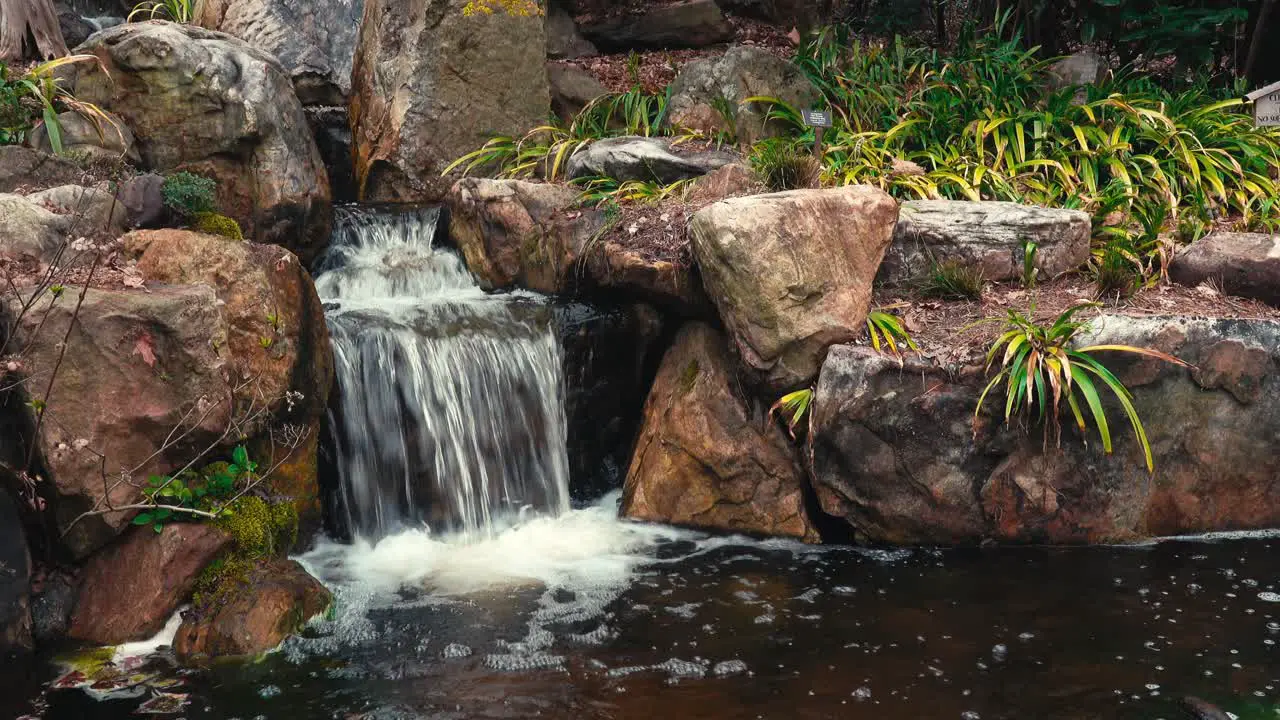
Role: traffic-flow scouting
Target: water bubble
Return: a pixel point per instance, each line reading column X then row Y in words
column 1026, row 636
column 969, row 715
column 862, row 693
column 1269, row 597
column 269, row 691
column 454, row 651
column 729, row 667
column 1000, row 652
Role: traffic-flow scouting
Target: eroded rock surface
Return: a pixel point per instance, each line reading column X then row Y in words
column 1244, row 264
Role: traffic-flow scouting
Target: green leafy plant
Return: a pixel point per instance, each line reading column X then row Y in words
column 189, row 194
column 601, row 190
column 888, row 331
column 179, row 11
column 783, row 164
column 1039, row 368
column 793, row 408
column 36, row 98
column 196, row 494
column 953, row 280
column 1029, row 270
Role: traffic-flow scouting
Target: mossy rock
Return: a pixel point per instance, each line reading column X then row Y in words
column 217, row 224
column 258, row 530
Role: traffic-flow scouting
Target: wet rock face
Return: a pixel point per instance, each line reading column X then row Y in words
column 15, row 581
column 791, row 273
column 274, row 601
column 1244, row 264
column 989, row 236
column 209, row 103
column 431, row 84
column 129, row 590
column 608, row 353
column 314, row 41
column 706, row 457
column 895, row 452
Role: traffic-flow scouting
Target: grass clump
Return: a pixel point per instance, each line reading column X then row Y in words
column 953, row 280
column 785, row 165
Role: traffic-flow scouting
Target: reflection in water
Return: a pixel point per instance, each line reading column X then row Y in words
column 586, row 616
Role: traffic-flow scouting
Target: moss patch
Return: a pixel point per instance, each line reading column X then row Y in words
column 258, row 529
column 689, row 377
column 216, row 224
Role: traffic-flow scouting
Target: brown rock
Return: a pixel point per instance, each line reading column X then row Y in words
column 1245, row 264
column 707, row 90
column 29, row 169
column 733, row 180
column 895, row 452
column 704, row 458
column 432, row 84
column 130, row 589
column 513, row 232
column 791, row 273
column 273, row 602
column 105, row 139
column 572, row 89
column 209, row 103
column 673, row 286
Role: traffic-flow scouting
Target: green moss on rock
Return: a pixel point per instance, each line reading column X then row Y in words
column 217, row 224
column 258, row 529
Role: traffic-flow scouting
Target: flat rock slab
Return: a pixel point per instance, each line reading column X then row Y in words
column 644, row 159
column 1246, row 264
column 991, row 236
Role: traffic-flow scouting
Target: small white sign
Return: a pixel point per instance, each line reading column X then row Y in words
column 1266, row 105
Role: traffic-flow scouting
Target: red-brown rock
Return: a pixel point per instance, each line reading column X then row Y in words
column 131, row 588
column 706, row 458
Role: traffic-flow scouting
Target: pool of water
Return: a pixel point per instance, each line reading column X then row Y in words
column 585, row 617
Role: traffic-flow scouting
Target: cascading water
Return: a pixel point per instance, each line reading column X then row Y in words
column 450, row 410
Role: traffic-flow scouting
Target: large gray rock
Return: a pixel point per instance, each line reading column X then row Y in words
column 209, row 103
column 642, row 158
column 1080, row 69
column 1246, row 264
column 108, row 138
column 683, row 24
column 990, row 236
column 705, row 90
column 29, row 231
column 15, row 581
column 86, row 210
column 314, row 41
column 28, row 169
column 895, row 452
column 432, row 84
column 706, row 458
column 791, row 273
column 564, row 42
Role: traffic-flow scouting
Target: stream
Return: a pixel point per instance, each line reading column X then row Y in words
column 470, row 588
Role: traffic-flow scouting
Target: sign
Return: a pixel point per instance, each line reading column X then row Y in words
column 816, row 118
column 1266, row 105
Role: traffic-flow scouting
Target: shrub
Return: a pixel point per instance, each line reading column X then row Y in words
column 1039, row 369
column 188, row 194
column 888, row 331
column 215, row 224
column 782, row 164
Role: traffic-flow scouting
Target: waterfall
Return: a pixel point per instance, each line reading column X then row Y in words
column 450, row 408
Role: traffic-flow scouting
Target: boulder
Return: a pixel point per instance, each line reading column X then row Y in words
column 129, row 590
column 1077, row 70
column 108, row 139
column 1245, row 264
column 991, row 236
column 706, row 90
column 536, row 236
column 791, row 273
column 209, row 103
column 52, row 603
column 431, row 84
column 137, row 365
column 274, row 601
column 314, row 41
column 572, row 89
column 22, row 168
column 267, row 299
column 143, row 200
column 642, row 158
column 667, row 26
column 896, row 455
column 15, row 580
column 733, row 180
column 516, row 233
column 706, row 457
column 75, row 29
column 564, row 42
column 86, row 210
column 29, row 231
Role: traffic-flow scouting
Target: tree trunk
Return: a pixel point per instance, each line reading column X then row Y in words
column 20, row 19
